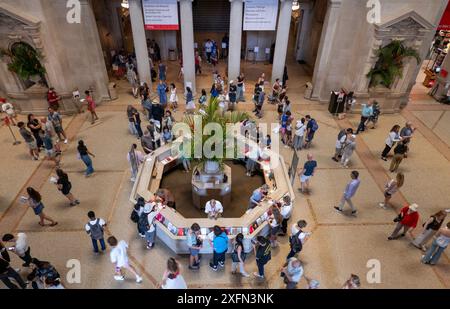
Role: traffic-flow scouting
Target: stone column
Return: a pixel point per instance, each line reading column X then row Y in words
column 305, row 30
column 281, row 43
column 326, row 43
column 94, row 54
column 187, row 43
column 234, row 50
column 140, row 41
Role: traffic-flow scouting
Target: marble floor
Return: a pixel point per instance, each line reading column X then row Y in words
column 339, row 245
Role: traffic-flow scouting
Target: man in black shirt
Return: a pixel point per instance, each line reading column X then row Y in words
column 6, row 271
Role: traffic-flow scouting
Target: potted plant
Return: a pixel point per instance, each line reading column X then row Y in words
column 212, row 114
column 390, row 63
column 25, row 62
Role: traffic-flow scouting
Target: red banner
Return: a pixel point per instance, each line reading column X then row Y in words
column 445, row 21
column 162, row 27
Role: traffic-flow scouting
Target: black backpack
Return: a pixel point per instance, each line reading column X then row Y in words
column 143, row 223
column 341, row 133
column 134, row 216
column 295, row 242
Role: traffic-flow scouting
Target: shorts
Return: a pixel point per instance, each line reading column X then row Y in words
column 32, row 145
column 50, row 153
column 304, row 178
column 194, row 252
column 59, row 130
column 66, row 190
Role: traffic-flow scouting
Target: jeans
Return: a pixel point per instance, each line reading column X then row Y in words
column 218, row 257
column 260, row 263
column 11, row 273
column 186, row 164
column 87, row 160
column 95, row 245
column 132, row 128
column 138, row 129
column 433, row 253
column 349, row 202
column 240, row 94
column 362, row 124
column 298, row 142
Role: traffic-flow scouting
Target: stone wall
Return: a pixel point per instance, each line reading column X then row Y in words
column 72, row 53
column 349, row 42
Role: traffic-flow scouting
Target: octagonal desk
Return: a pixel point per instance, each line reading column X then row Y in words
column 172, row 227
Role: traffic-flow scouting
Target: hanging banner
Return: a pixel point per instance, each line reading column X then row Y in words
column 160, row 14
column 260, row 15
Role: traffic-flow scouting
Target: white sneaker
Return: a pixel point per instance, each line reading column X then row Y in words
column 65, row 141
column 138, row 279
column 258, row 275
column 245, row 275
column 119, row 278
column 382, row 205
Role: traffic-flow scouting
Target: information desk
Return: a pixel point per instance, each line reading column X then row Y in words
column 172, row 227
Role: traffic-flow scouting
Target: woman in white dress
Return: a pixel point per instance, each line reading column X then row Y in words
column 173, row 97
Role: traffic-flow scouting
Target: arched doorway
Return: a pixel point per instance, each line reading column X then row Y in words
column 25, row 63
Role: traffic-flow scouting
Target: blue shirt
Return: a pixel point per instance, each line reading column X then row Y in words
column 309, row 167
column 189, row 97
column 351, row 188
column 256, row 196
column 220, row 243
column 367, row 111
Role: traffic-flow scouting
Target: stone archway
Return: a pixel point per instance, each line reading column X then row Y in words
column 414, row 31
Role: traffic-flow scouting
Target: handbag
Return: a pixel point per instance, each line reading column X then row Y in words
column 398, row 218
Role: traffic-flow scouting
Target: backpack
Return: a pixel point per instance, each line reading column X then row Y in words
column 314, row 126
column 134, row 216
column 143, row 224
column 295, row 242
column 341, row 134
column 96, row 230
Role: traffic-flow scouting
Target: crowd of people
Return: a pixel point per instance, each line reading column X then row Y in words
column 298, row 134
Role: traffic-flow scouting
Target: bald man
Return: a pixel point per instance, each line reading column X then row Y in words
column 306, row 174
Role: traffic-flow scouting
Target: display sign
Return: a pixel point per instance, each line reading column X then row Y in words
column 260, row 15
column 160, row 14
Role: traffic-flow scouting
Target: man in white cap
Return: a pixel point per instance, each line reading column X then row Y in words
column 406, row 219
column 147, row 222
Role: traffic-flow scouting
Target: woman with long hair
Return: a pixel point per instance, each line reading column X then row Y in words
column 430, row 228
column 275, row 224
column 190, row 104
column 64, row 185
column 391, row 188
column 392, row 138
column 35, row 202
column 238, row 256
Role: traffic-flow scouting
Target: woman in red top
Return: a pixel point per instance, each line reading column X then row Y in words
column 407, row 220
column 91, row 106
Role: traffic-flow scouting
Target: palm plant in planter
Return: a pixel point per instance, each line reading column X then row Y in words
column 213, row 114
column 390, row 63
column 25, row 62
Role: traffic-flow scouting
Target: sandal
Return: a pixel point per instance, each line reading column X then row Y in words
column 54, row 223
column 41, row 224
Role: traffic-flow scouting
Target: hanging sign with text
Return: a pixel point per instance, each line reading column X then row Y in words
column 260, row 15
column 160, row 14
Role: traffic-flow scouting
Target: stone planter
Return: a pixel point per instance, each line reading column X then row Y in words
column 390, row 102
